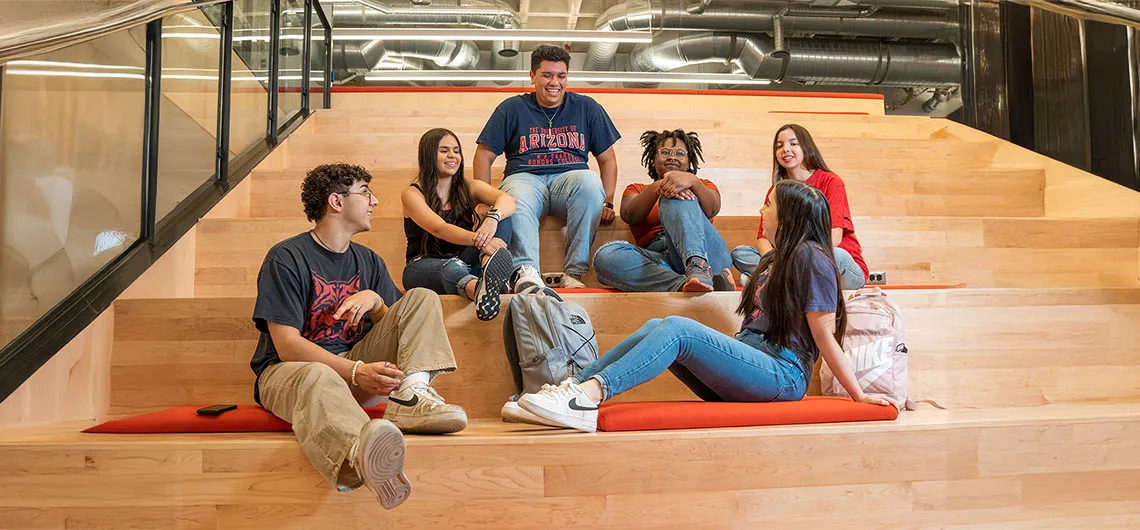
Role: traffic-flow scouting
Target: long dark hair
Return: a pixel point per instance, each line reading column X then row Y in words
column 813, row 160
column 803, row 225
column 462, row 205
column 652, row 140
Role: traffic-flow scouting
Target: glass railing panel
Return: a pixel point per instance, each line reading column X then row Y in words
column 191, row 48
column 71, row 170
column 249, row 99
column 291, row 59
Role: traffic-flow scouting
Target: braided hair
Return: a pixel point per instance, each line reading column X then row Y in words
column 652, row 140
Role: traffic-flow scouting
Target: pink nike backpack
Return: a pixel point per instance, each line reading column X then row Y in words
column 875, row 344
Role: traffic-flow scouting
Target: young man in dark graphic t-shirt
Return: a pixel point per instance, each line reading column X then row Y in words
column 547, row 136
column 336, row 333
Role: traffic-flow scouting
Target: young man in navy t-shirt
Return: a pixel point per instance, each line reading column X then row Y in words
column 337, row 333
column 548, row 135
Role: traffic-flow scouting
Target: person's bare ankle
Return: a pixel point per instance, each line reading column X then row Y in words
column 593, row 390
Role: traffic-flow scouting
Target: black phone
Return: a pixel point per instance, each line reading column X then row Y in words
column 214, row 410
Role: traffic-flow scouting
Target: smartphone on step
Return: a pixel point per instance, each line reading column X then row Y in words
column 214, row 410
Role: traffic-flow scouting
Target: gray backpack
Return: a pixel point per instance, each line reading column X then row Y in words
column 547, row 338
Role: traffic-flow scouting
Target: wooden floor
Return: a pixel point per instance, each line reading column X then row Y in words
column 1036, row 355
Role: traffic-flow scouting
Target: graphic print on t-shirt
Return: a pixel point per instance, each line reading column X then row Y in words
column 327, row 298
column 554, row 141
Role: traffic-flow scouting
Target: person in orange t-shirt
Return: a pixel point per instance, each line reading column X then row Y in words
column 797, row 157
column 677, row 248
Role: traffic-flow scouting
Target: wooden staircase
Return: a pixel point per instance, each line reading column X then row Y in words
column 1036, row 356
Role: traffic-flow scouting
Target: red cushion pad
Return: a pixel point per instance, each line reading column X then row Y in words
column 185, row 419
column 660, row 415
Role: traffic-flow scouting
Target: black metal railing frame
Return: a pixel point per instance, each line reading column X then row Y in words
column 27, row 352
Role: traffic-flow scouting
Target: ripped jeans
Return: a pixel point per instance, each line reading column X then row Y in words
column 449, row 275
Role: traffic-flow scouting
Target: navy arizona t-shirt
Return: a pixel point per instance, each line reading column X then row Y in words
column 302, row 284
column 522, row 129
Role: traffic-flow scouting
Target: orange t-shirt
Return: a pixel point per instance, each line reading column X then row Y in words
column 644, row 232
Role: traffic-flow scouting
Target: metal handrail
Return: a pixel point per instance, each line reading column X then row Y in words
column 39, row 40
column 1089, row 10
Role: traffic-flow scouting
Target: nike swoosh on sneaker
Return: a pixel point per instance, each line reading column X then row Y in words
column 575, row 406
column 407, row 403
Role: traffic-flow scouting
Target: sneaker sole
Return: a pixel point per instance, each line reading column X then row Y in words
column 496, row 274
column 724, row 282
column 693, row 285
column 383, row 462
column 521, row 415
column 437, row 424
column 564, row 420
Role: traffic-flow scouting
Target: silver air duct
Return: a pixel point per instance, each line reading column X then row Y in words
column 755, row 17
column 462, row 55
column 810, row 61
column 459, row 13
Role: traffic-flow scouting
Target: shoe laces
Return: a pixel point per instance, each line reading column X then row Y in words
column 428, row 392
column 565, row 389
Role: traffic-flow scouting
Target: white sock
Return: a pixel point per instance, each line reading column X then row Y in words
column 413, row 378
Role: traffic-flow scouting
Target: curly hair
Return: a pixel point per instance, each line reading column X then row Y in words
column 546, row 52
column 652, row 140
column 325, row 180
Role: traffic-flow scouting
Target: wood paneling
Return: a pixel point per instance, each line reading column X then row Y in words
column 73, row 385
column 968, row 347
column 980, row 252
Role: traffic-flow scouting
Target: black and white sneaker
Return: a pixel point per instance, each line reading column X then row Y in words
column 496, row 274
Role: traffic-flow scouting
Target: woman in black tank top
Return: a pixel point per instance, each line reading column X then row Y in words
column 452, row 249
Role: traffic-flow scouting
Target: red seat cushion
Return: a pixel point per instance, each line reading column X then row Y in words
column 185, row 419
column 659, row 415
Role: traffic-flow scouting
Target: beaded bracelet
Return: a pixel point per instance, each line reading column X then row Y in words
column 354, row 367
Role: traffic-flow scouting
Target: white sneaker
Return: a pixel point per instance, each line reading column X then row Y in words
column 513, row 413
column 566, row 404
column 378, row 458
column 420, row 409
column 570, row 282
column 527, row 276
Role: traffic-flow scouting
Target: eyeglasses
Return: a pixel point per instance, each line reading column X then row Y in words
column 666, row 152
column 366, row 193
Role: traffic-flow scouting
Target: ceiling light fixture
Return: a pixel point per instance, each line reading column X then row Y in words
column 599, row 77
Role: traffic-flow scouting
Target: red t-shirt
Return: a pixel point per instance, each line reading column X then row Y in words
column 644, row 232
column 836, row 193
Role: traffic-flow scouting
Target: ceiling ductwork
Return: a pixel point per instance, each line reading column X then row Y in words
column 867, row 19
column 808, row 61
column 457, row 13
column 448, row 55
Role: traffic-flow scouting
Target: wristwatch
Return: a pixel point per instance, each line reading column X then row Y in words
column 608, row 204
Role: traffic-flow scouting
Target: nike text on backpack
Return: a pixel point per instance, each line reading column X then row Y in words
column 547, row 339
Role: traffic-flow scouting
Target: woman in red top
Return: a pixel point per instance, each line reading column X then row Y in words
column 796, row 157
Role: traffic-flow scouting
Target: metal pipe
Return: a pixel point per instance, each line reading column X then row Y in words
column 673, row 15
column 810, row 61
column 274, row 67
column 225, row 83
column 151, row 131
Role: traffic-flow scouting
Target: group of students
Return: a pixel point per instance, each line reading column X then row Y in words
column 337, row 334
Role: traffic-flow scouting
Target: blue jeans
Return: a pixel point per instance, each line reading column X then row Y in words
column 745, row 258
column 575, row 196
column 660, row 266
column 715, row 366
column 450, row 275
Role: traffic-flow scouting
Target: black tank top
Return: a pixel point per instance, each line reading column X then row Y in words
column 422, row 243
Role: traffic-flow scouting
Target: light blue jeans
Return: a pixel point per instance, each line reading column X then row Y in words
column 715, row 366
column 575, row 196
column 745, row 258
column 660, row 266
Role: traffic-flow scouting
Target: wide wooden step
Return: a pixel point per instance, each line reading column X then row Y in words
column 946, row 193
column 968, row 347
column 763, row 124
column 1057, row 466
column 745, row 150
column 979, row 252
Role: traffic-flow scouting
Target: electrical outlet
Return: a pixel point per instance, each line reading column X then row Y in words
column 877, row 278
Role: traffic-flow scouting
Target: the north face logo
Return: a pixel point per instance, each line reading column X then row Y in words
column 577, row 320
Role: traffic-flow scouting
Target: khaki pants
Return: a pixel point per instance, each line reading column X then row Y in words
column 325, row 413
